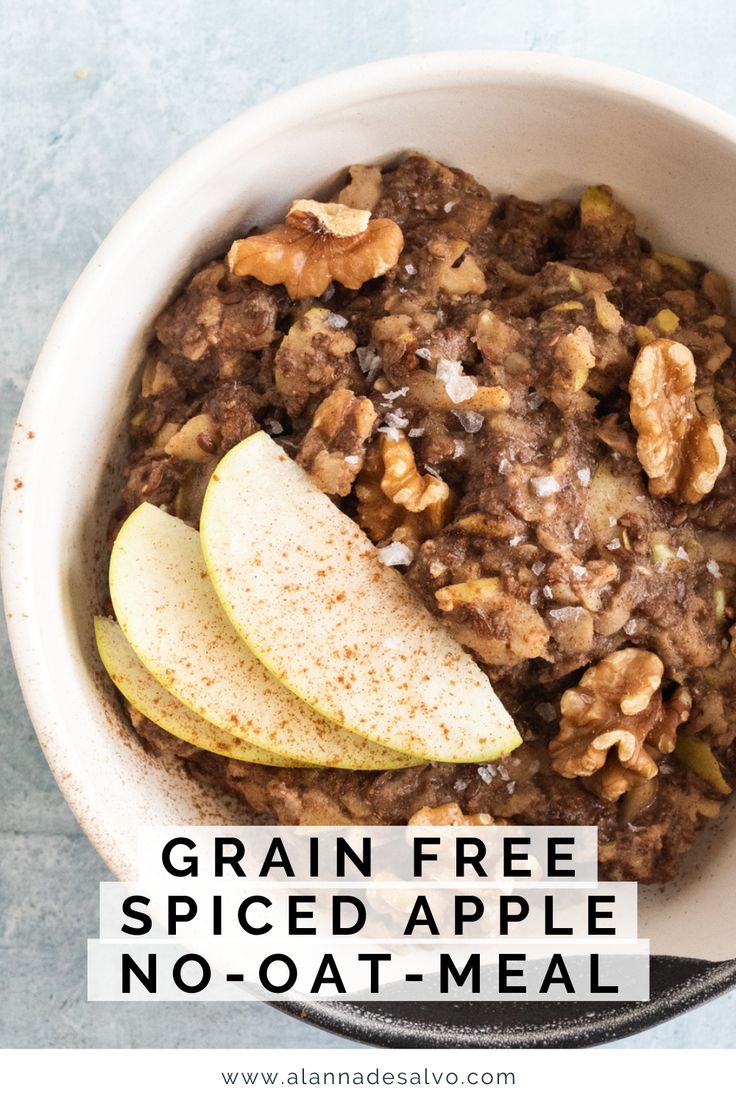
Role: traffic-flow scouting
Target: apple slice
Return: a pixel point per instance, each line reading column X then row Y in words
column 143, row 692
column 306, row 590
column 172, row 619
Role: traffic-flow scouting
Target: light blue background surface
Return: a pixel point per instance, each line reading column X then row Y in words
column 161, row 75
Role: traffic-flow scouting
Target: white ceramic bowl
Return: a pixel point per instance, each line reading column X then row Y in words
column 537, row 125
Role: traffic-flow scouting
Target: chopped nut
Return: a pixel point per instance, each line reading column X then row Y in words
column 334, row 447
column 494, row 337
column 449, row 814
column 320, row 242
column 499, row 627
column 458, row 279
column 607, row 719
column 380, row 515
column 681, row 451
column 364, row 189
column 401, row 481
column 376, row 514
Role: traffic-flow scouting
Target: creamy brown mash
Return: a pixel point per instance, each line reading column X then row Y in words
column 532, row 414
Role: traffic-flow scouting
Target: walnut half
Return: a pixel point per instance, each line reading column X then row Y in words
column 608, row 718
column 395, row 500
column 334, row 447
column 681, row 451
column 319, row 243
column 450, row 814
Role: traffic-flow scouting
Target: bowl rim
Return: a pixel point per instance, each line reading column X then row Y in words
column 349, row 86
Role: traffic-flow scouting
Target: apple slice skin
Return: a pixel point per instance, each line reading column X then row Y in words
column 304, row 587
column 170, row 615
column 140, row 688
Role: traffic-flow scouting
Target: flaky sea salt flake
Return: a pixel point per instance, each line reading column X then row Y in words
column 545, row 485
column 459, row 387
column 470, row 420
column 396, row 554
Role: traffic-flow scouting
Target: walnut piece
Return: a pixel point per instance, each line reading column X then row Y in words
column 319, row 243
column 681, row 451
column 449, row 814
column 402, row 483
column 380, row 515
column 334, row 447
column 500, row 628
column 364, row 189
column 456, row 271
column 608, row 718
